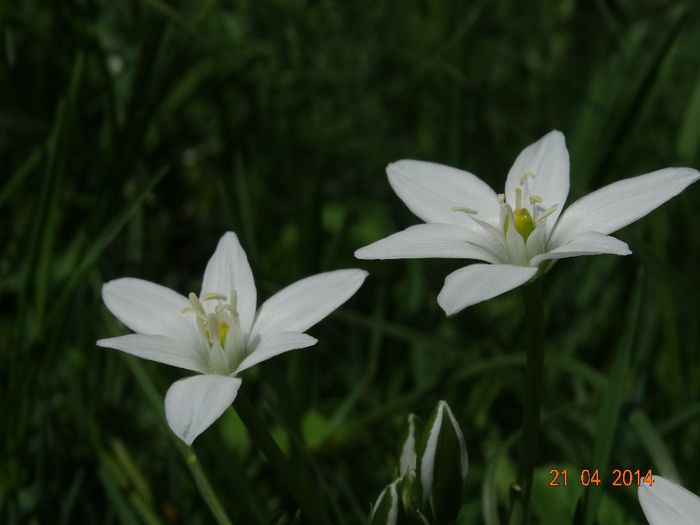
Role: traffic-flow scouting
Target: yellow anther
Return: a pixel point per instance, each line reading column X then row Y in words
column 196, row 307
column 468, row 211
column 523, row 222
column 525, row 176
column 501, row 198
column 547, row 213
column 535, row 199
column 214, row 326
column 194, row 301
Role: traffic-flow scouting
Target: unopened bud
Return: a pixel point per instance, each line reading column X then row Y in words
column 386, row 508
column 442, row 464
column 409, row 441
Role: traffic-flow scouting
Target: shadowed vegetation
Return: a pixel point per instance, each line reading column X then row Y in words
column 134, row 133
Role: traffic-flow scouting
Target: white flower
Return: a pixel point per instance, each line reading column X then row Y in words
column 219, row 333
column 521, row 231
column 665, row 503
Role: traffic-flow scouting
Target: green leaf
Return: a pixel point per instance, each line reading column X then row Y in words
column 555, row 505
column 610, row 412
column 654, row 443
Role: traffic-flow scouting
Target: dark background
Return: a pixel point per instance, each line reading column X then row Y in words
column 133, row 134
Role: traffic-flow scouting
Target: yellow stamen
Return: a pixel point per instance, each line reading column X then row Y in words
column 468, row 211
column 525, row 176
column 195, row 307
column 213, row 297
column 547, row 213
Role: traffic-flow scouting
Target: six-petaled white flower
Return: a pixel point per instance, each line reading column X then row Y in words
column 666, row 503
column 219, row 333
column 520, row 232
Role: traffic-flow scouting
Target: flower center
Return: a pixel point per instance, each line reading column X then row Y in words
column 524, row 220
column 215, row 326
column 526, row 215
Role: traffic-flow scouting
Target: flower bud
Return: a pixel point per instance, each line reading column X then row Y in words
column 442, row 465
column 409, row 441
column 387, row 507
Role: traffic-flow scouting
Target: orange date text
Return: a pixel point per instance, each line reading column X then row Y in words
column 592, row 477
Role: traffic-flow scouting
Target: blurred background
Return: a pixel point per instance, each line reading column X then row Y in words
column 133, row 134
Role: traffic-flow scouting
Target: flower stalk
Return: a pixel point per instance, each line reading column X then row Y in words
column 534, row 329
column 297, row 484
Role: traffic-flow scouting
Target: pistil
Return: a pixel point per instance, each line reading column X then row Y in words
column 214, row 327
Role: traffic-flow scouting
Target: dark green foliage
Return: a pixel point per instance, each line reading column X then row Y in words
column 134, row 133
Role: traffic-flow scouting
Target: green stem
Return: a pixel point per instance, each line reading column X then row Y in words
column 200, row 477
column 205, row 488
column 534, row 323
column 297, row 485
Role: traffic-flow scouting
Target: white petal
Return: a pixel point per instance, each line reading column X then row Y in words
column 548, row 160
column 589, row 243
column 665, row 503
column 478, row 282
column 429, row 240
column 431, row 191
column 194, row 403
column 149, row 308
column 516, row 247
column 228, row 270
column 167, row 350
column 535, row 244
column 271, row 345
column 304, row 303
column 614, row 206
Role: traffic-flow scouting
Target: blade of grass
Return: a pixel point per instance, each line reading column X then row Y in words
column 16, row 180
column 688, row 141
column 655, row 446
column 610, row 412
column 118, row 502
column 492, row 481
column 188, row 455
column 55, row 168
column 297, row 484
column 375, row 344
column 99, row 244
column 681, row 418
column 615, row 101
